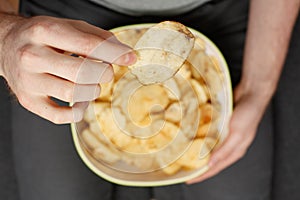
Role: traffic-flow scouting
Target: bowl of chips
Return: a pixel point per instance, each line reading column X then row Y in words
column 162, row 133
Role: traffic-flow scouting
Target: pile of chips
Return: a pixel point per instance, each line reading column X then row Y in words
column 169, row 126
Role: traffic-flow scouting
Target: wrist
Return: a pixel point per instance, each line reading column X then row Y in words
column 260, row 91
column 7, row 23
column 263, row 88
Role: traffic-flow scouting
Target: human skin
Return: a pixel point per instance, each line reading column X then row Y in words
column 34, row 62
column 269, row 30
column 270, row 26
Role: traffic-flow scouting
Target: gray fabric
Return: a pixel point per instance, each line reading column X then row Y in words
column 48, row 168
column 286, row 182
column 151, row 7
column 47, row 164
column 8, row 186
column 248, row 179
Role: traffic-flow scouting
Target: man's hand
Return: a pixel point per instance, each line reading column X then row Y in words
column 270, row 26
column 36, row 66
column 248, row 111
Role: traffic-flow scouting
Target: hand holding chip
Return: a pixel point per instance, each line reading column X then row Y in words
column 36, row 66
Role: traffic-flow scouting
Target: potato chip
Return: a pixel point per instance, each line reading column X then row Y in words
column 200, row 92
column 89, row 115
column 196, row 156
column 89, row 139
column 184, row 72
column 141, row 162
column 208, row 113
column 106, row 91
column 161, row 51
column 127, row 38
column 143, row 99
column 102, row 152
column 119, row 72
column 135, row 147
column 110, row 128
column 199, row 60
column 172, row 168
column 98, row 107
column 211, row 143
column 172, row 89
column 95, row 129
column 156, row 142
column 174, row 113
column 208, row 129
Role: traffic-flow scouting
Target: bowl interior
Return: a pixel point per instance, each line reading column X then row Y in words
column 156, row 178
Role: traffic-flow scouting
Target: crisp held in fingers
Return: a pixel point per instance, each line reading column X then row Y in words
column 161, row 52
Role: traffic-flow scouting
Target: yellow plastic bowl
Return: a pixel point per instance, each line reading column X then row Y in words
column 158, row 178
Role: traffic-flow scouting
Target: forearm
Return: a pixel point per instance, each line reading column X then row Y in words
column 9, row 6
column 269, row 30
column 7, row 21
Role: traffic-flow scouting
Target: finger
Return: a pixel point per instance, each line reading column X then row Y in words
column 238, row 127
column 88, row 28
column 230, row 143
column 47, row 109
column 233, row 148
column 218, row 167
column 203, row 177
column 48, row 85
column 214, row 167
column 74, row 69
column 243, row 121
column 221, row 154
column 64, row 36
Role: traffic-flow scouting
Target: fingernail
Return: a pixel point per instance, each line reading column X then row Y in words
column 97, row 92
column 78, row 109
column 130, row 58
column 107, row 75
column 77, row 114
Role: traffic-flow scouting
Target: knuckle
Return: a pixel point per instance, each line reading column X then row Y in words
column 25, row 101
column 74, row 70
column 42, row 26
column 82, row 22
column 69, row 68
column 26, row 54
column 87, row 44
column 37, row 28
column 66, row 93
column 57, row 118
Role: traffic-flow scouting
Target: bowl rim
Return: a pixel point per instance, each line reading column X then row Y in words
column 197, row 172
